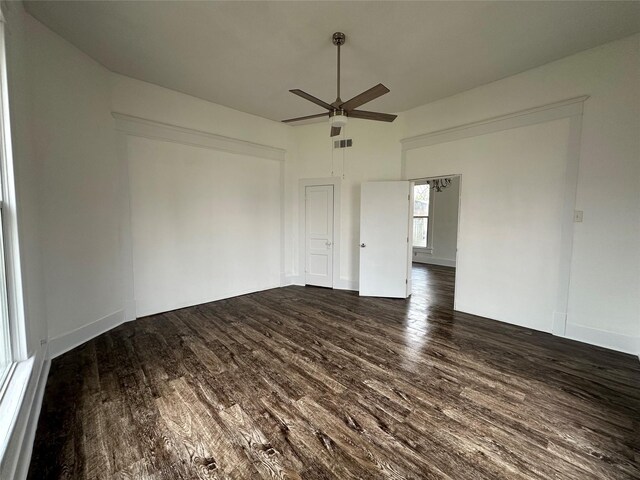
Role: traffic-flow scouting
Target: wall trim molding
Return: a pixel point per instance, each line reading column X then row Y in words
column 443, row 262
column 70, row 340
column 17, row 457
column 169, row 307
column 288, row 280
column 142, row 127
column 346, row 284
column 602, row 338
column 338, row 284
column 128, row 125
column 572, row 109
column 521, row 118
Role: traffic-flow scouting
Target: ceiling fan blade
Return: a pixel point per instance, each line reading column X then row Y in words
column 364, row 97
column 297, row 119
column 311, row 98
column 381, row 117
column 335, row 131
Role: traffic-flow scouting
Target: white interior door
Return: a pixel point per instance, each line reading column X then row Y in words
column 384, row 239
column 319, row 235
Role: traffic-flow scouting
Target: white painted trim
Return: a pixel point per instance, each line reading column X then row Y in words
column 282, row 221
column 346, row 284
column 17, row 456
column 602, row 338
column 142, row 127
column 566, row 235
column 544, row 113
column 444, row 262
column 13, row 392
column 288, row 280
column 571, row 108
column 303, row 183
column 70, row 340
column 126, row 236
column 11, row 257
column 559, row 325
column 429, row 250
column 170, row 306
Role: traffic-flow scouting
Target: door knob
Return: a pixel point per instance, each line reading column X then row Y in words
column 328, row 244
column 362, row 245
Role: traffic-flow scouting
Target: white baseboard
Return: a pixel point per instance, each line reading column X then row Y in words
column 288, row 280
column 346, row 284
column 602, row 338
column 160, row 307
column 70, row 340
column 443, row 262
column 340, row 284
column 15, row 463
column 130, row 311
column 559, row 327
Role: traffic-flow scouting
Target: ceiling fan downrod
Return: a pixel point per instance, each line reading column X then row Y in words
column 338, row 40
column 339, row 111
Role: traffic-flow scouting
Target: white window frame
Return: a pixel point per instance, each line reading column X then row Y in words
column 13, row 274
column 429, row 247
column 13, row 387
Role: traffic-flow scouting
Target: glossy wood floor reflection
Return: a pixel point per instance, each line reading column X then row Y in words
column 316, row 384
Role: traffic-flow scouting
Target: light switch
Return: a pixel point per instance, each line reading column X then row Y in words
column 577, row 216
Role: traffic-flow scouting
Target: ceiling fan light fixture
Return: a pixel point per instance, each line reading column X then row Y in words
column 339, row 110
column 338, row 119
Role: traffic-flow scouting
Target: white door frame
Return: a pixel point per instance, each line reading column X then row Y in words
column 412, row 183
column 571, row 108
column 303, row 183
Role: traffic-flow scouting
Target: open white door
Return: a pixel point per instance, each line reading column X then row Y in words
column 384, row 239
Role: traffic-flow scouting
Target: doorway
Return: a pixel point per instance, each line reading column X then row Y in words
column 319, row 235
column 319, row 232
column 435, row 214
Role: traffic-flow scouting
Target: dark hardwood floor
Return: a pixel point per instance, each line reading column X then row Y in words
column 315, row 383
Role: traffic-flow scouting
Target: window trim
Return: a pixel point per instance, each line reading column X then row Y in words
column 16, row 381
column 13, row 274
column 429, row 248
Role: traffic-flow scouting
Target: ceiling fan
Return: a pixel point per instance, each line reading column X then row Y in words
column 339, row 111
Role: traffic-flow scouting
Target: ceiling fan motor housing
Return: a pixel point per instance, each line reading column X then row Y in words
column 338, row 118
column 339, row 110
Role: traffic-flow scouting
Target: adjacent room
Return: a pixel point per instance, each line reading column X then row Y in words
column 320, row 240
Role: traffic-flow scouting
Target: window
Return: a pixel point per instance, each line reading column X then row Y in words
column 15, row 364
column 6, row 354
column 5, row 338
column 421, row 198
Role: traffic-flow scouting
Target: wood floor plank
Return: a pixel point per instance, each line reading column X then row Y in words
column 312, row 383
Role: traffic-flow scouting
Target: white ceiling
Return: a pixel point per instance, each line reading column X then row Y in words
column 247, row 55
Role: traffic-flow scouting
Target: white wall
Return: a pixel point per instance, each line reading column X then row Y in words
column 375, row 155
column 444, row 225
column 157, row 104
column 71, row 182
column 605, row 269
column 206, row 224
column 68, row 172
column 146, row 100
column 26, row 172
column 74, row 181
column 510, row 221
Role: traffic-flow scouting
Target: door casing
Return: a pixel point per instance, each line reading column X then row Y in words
column 303, row 183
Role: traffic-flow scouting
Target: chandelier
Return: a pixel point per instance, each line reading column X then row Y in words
column 439, row 184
